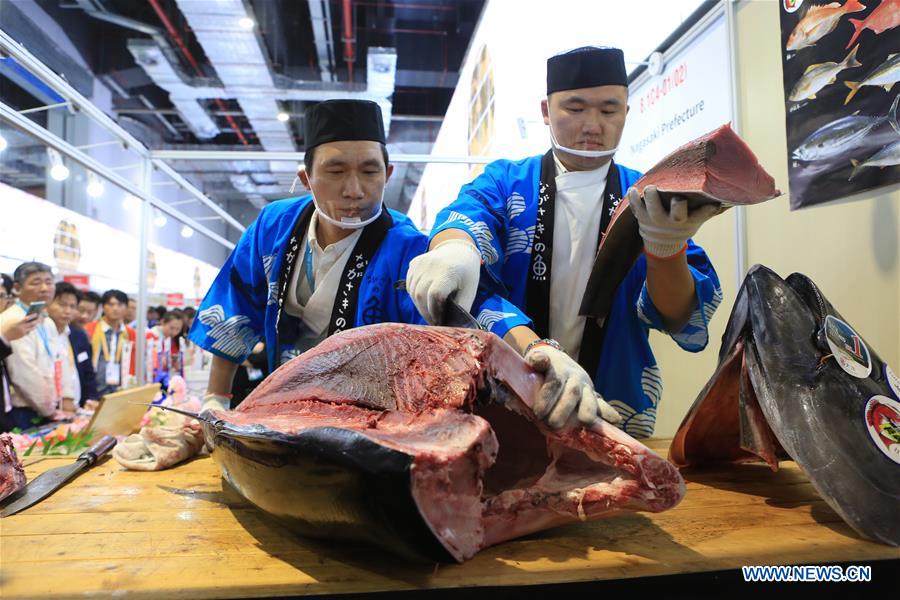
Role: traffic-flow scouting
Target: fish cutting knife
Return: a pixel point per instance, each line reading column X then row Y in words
column 454, row 314
column 48, row 482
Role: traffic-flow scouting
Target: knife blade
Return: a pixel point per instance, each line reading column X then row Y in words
column 48, row 482
column 454, row 314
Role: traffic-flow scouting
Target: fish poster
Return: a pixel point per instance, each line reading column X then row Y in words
column 841, row 63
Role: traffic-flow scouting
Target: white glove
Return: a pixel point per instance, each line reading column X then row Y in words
column 213, row 401
column 665, row 233
column 451, row 267
column 567, row 388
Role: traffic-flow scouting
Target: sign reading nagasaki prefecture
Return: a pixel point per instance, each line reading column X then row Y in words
column 691, row 97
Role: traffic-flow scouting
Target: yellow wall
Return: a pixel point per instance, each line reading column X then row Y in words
column 850, row 249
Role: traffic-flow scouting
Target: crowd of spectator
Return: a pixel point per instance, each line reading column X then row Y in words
column 62, row 348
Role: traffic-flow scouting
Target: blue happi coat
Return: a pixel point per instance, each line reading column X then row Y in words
column 242, row 308
column 499, row 210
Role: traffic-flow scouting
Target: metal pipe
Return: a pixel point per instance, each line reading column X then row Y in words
column 146, row 218
column 143, row 100
column 63, row 88
column 253, row 155
column 99, row 144
column 407, row 30
column 405, row 6
column 741, row 246
column 237, row 113
column 37, row 109
column 193, row 62
column 349, row 58
column 30, row 127
column 178, row 178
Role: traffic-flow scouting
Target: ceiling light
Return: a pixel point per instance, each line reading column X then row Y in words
column 246, row 23
column 160, row 219
column 95, row 185
column 58, row 170
column 283, row 117
column 130, row 203
column 186, row 232
column 3, row 143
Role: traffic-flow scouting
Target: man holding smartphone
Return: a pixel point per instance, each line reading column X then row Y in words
column 33, row 397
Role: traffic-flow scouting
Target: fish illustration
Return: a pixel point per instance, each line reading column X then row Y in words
column 819, row 21
column 885, row 16
column 818, row 76
column 839, row 136
column 885, row 75
column 888, row 156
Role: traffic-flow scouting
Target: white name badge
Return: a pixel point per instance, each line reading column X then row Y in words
column 83, row 356
column 112, row 373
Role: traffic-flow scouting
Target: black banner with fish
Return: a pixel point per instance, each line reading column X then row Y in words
column 841, row 63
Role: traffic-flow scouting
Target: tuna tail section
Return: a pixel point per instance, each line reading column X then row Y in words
column 851, row 62
column 854, row 87
column 892, row 114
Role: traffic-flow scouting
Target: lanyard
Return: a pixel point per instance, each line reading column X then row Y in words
column 116, row 346
column 42, row 333
column 308, row 260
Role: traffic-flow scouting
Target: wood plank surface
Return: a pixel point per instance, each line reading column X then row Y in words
column 181, row 534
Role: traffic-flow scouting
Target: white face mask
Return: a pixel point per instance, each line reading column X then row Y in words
column 345, row 222
column 574, row 151
column 349, row 222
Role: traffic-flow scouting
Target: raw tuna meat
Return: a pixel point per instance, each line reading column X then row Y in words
column 780, row 392
column 718, row 166
column 12, row 476
column 422, row 440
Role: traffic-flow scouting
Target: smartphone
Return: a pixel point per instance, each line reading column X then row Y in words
column 35, row 308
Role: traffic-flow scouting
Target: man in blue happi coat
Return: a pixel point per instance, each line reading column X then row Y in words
column 316, row 265
column 531, row 228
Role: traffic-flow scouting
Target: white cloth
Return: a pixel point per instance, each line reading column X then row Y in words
column 314, row 307
column 576, row 234
column 62, row 351
column 30, row 368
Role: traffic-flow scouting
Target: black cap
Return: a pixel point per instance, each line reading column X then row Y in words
column 341, row 121
column 588, row 66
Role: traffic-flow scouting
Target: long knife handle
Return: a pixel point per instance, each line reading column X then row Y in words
column 95, row 452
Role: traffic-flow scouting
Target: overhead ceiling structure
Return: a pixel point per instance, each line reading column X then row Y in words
column 238, row 74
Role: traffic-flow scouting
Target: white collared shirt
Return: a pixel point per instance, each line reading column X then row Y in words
column 61, row 347
column 30, row 367
column 578, row 212
column 334, row 256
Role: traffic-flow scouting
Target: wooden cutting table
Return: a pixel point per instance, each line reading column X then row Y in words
column 178, row 534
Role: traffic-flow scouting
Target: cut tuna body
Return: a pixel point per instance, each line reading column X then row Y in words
column 12, row 476
column 422, row 440
column 717, row 167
